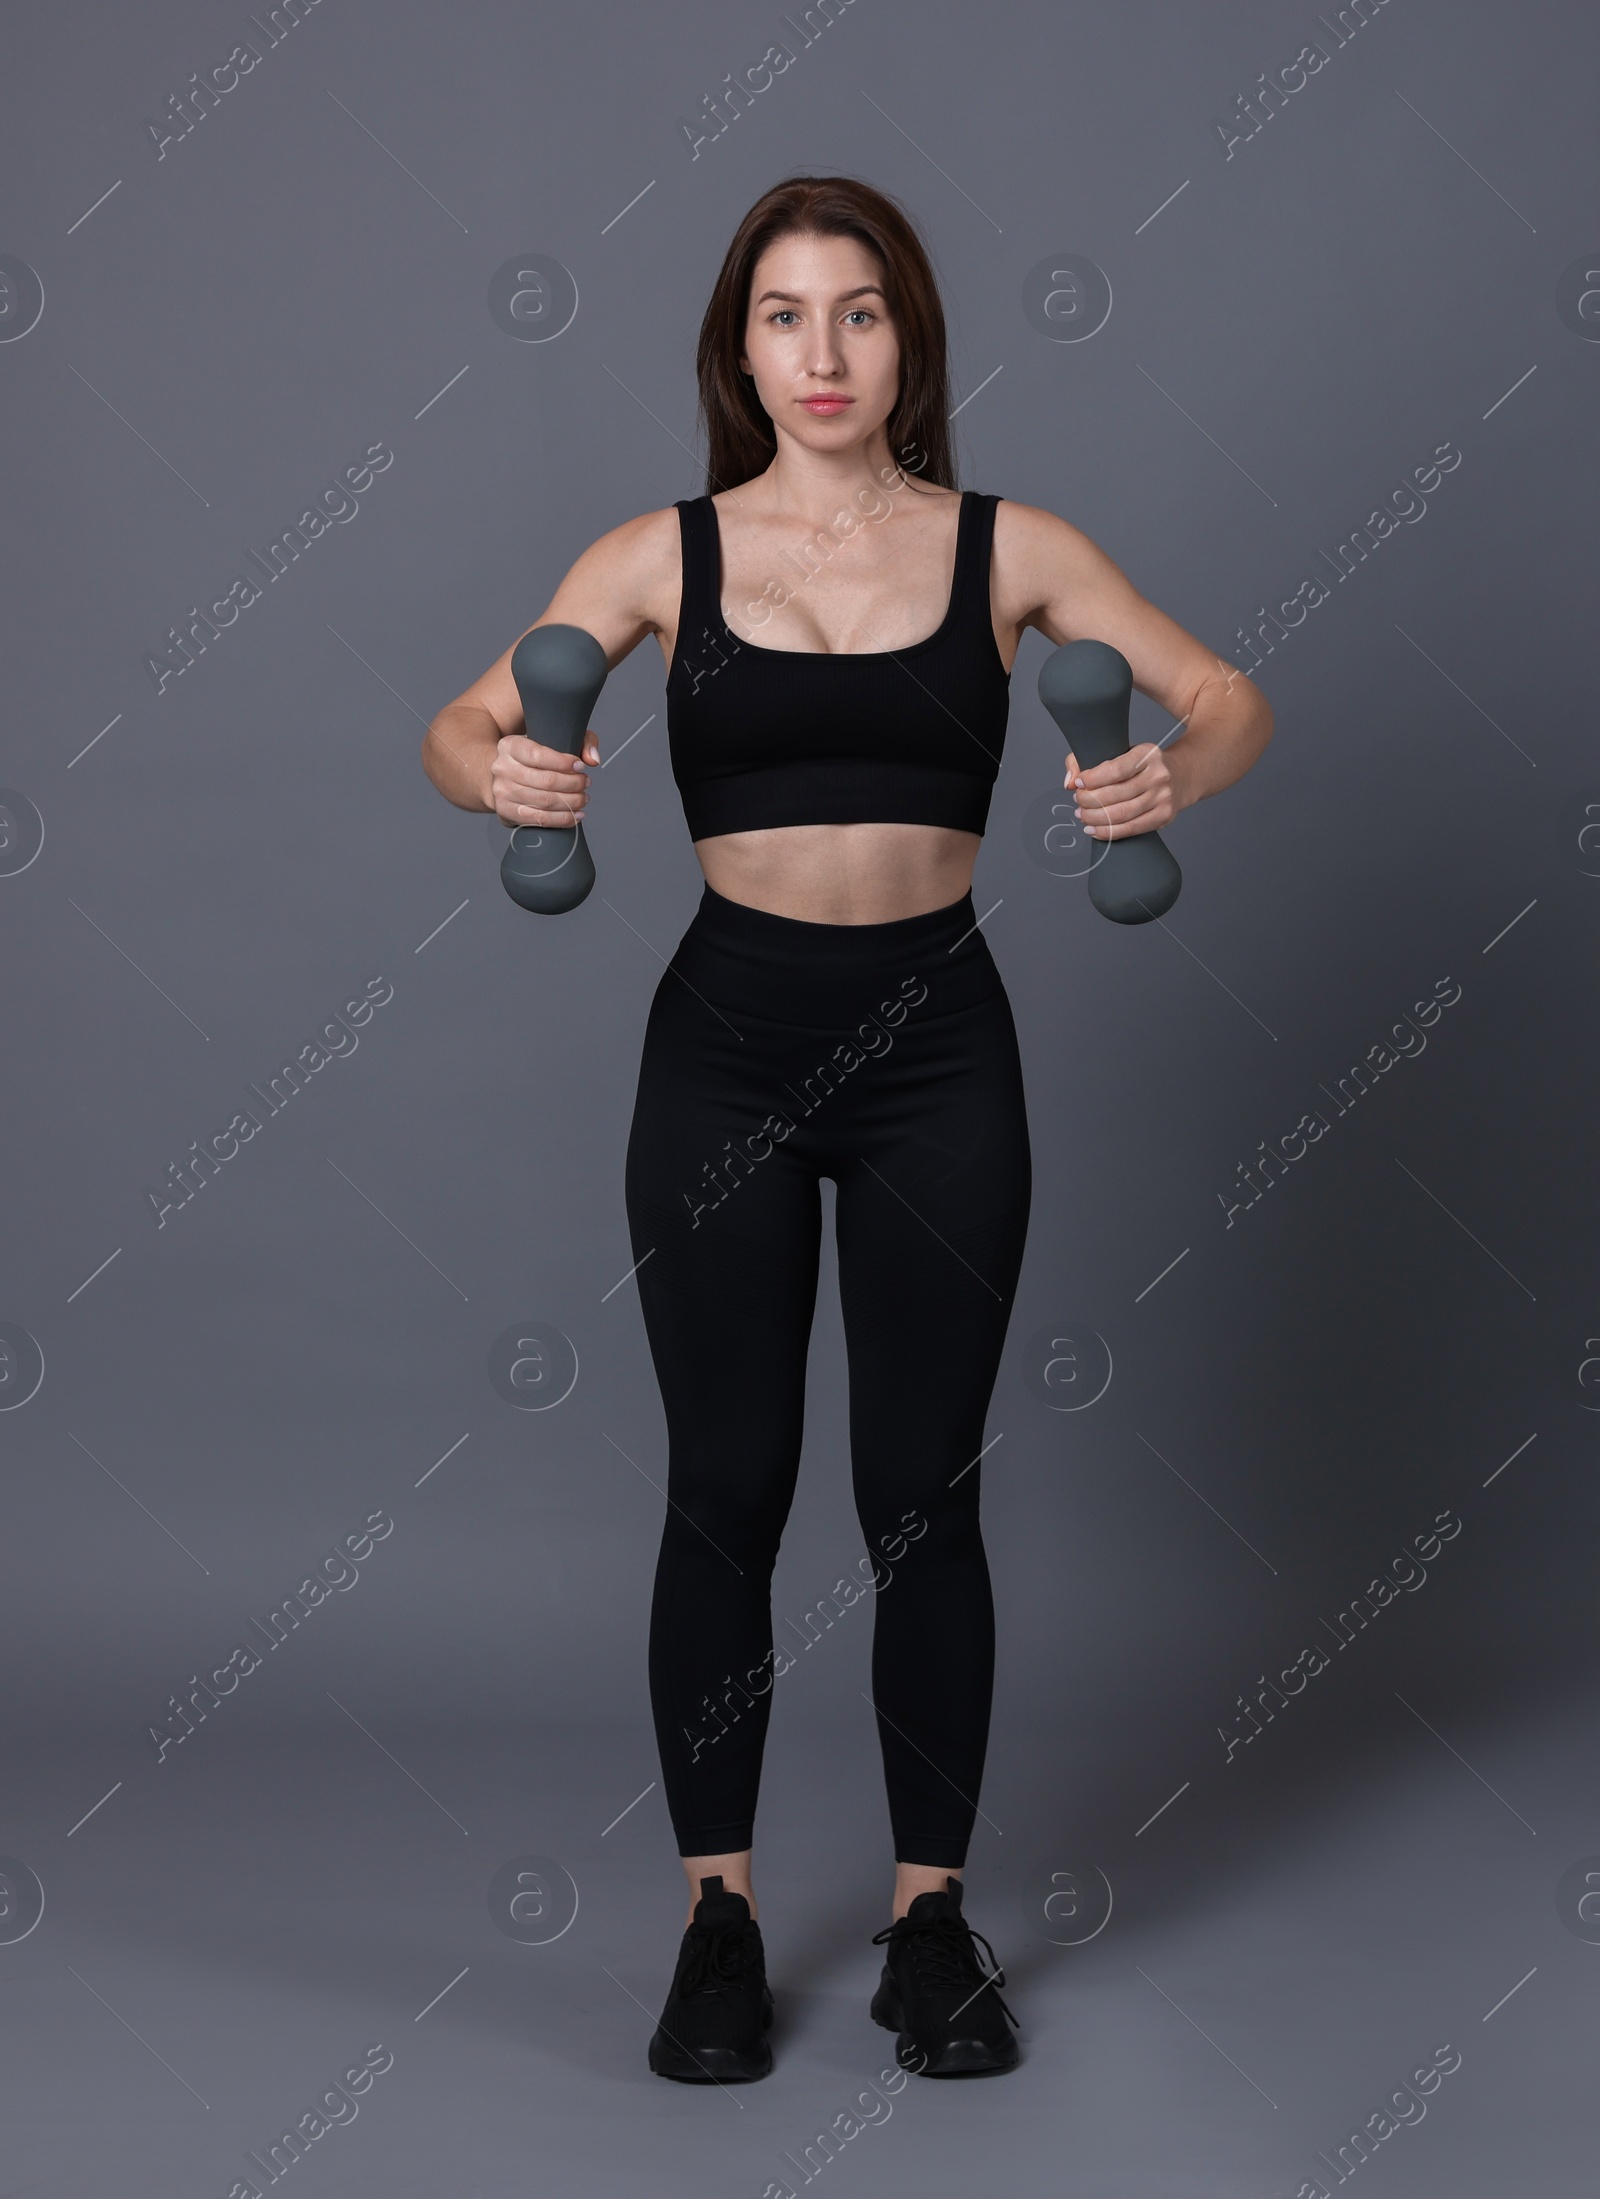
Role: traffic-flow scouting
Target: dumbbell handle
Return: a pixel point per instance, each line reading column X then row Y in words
column 1087, row 687
column 559, row 671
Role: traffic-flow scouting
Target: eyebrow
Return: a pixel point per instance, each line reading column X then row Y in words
column 790, row 297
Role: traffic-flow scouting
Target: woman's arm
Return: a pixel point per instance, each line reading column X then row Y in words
column 1049, row 575
column 476, row 752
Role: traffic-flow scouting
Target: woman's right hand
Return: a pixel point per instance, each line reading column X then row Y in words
column 530, row 784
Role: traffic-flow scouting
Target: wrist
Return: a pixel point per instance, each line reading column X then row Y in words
column 487, row 756
column 1180, row 774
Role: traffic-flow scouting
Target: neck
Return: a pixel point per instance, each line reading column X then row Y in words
column 811, row 486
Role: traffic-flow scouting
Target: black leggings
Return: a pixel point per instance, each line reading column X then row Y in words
column 883, row 1056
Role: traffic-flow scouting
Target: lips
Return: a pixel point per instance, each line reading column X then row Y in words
column 823, row 406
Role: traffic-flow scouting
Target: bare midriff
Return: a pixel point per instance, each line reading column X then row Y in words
column 842, row 874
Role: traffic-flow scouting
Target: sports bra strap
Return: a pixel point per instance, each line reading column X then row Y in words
column 971, row 588
column 701, row 607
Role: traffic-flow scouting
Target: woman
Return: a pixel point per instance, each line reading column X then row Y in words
column 838, row 624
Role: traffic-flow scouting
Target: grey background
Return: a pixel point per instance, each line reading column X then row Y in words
column 1291, row 1403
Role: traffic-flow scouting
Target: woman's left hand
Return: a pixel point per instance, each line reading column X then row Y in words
column 1136, row 792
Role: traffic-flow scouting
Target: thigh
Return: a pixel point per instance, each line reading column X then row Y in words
column 725, row 1220
column 934, row 1187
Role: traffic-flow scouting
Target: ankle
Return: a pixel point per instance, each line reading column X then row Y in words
column 911, row 1879
column 745, row 1890
column 733, row 1870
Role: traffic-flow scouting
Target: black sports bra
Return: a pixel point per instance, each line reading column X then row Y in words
column 762, row 737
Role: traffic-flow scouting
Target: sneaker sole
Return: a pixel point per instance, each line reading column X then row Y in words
column 712, row 2064
column 958, row 2058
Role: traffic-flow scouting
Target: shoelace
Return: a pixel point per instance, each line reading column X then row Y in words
column 718, row 1957
column 942, row 1954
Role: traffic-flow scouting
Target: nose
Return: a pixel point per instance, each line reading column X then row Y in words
column 827, row 361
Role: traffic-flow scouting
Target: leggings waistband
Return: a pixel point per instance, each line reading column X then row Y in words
column 785, row 969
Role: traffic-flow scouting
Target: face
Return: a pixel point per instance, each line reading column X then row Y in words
column 819, row 341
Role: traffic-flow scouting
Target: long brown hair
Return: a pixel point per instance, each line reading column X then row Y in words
column 740, row 438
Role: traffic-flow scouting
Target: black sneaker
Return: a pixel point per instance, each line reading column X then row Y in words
column 713, row 2028
column 935, row 1993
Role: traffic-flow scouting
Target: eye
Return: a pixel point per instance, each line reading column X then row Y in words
column 865, row 312
column 780, row 313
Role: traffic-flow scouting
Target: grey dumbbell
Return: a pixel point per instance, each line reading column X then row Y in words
column 1087, row 687
column 559, row 671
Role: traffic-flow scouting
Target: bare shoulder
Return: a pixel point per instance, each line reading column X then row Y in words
column 625, row 585
column 1037, row 555
column 1049, row 575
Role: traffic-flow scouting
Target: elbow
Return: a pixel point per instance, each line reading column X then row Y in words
column 1254, row 722
column 1265, row 722
column 436, row 756
column 458, row 755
